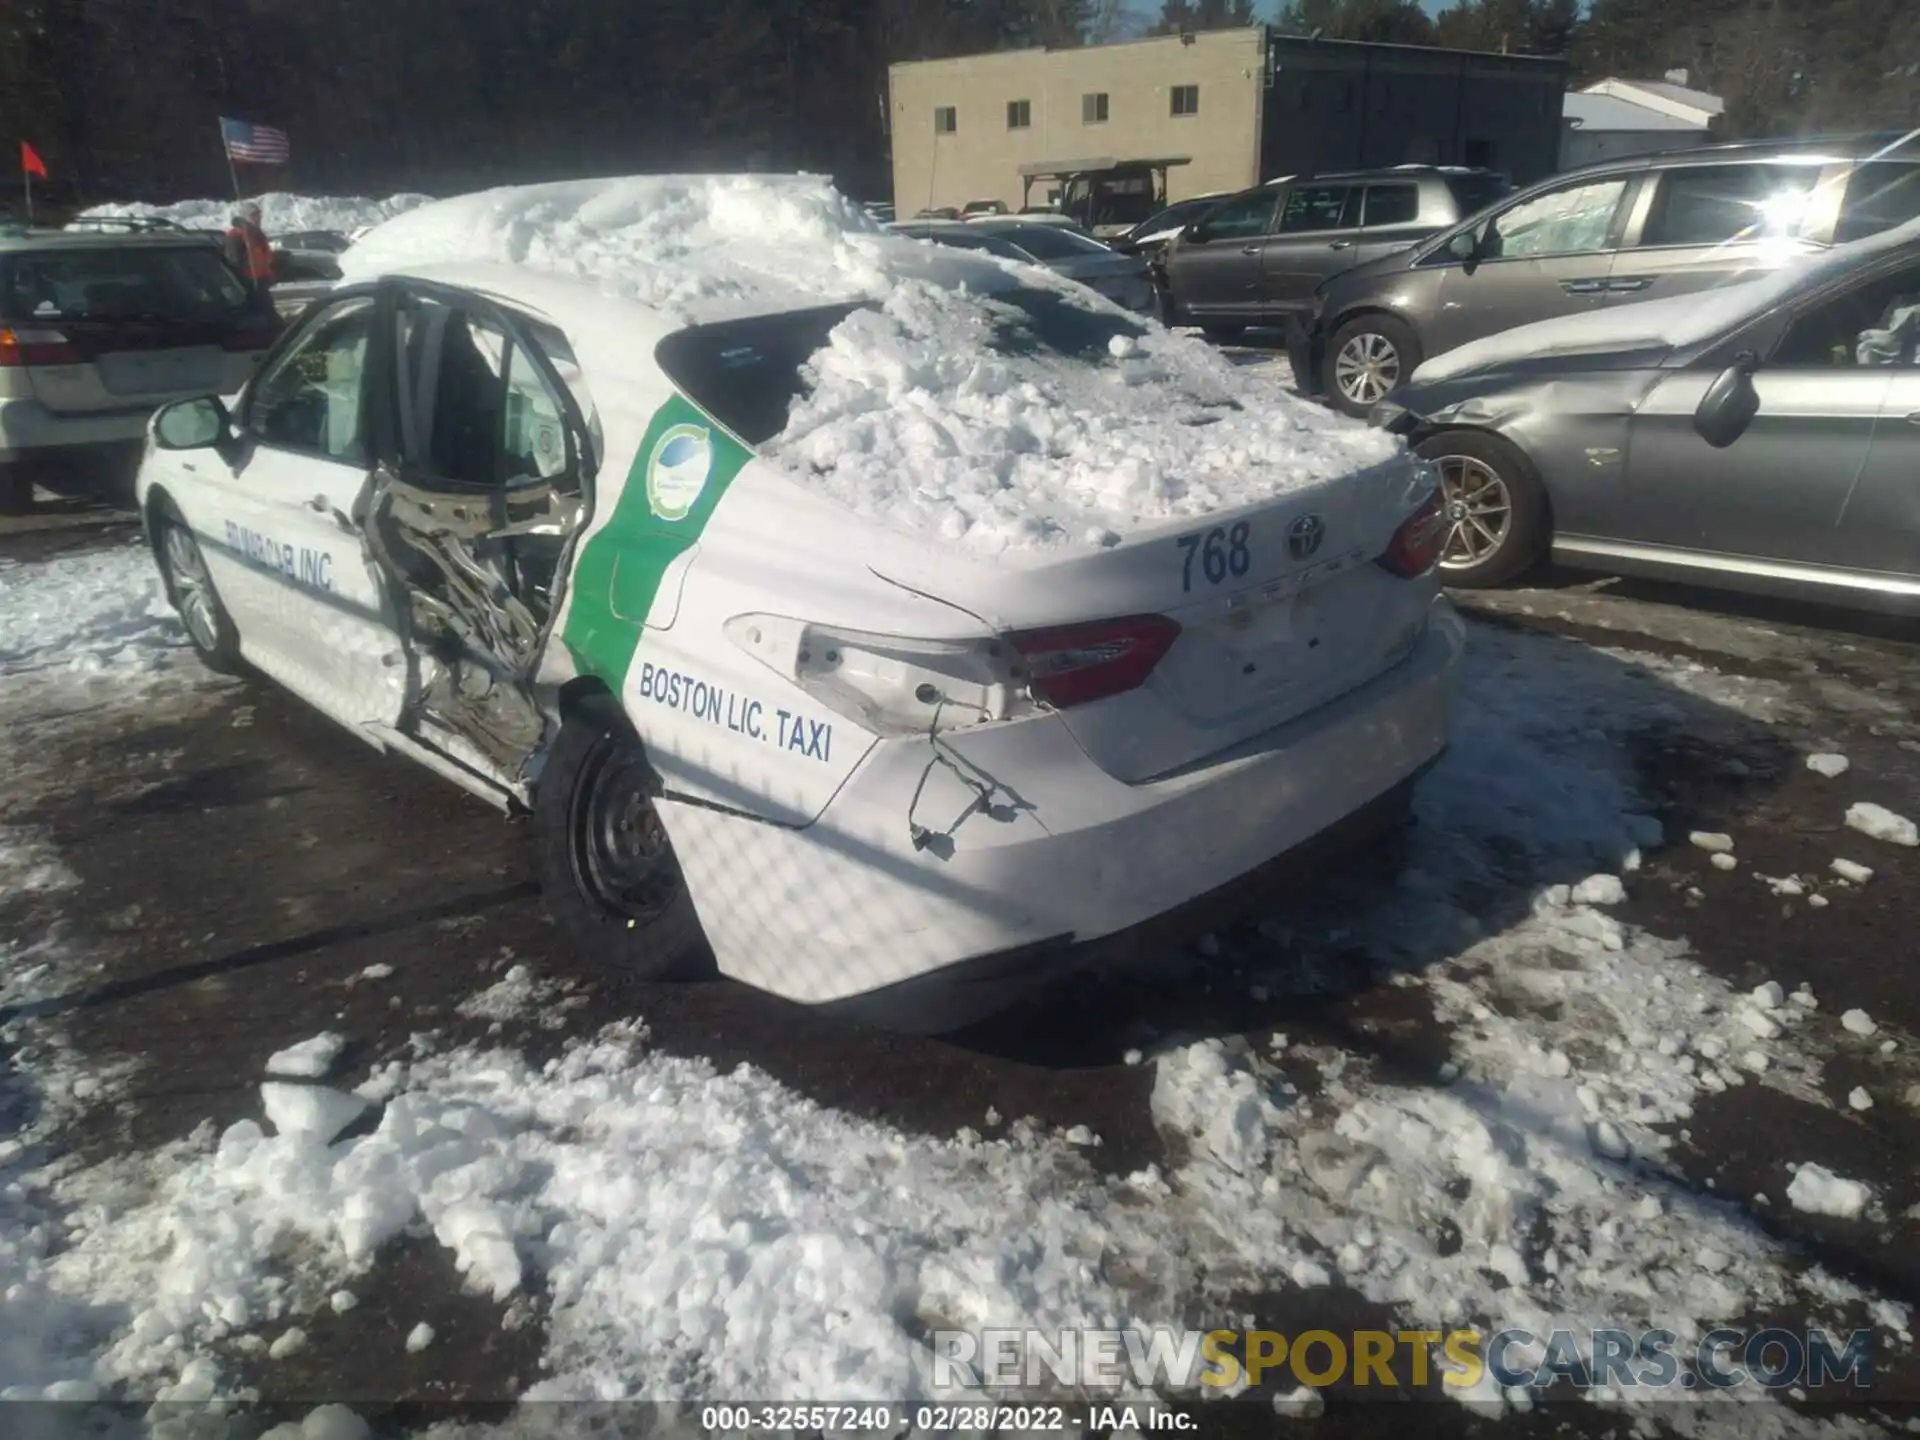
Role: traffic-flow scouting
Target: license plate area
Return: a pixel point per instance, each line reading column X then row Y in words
column 161, row 373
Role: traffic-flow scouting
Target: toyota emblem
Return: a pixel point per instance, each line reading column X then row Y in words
column 1304, row 536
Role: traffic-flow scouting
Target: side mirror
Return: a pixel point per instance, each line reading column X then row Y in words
column 201, row 423
column 1465, row 247
column 1730, row 403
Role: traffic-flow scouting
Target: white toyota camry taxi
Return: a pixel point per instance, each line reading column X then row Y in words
column 888, row 622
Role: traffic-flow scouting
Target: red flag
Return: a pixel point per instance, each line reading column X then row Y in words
column 31, row 162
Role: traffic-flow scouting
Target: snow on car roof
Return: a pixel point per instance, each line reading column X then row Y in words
column 693, row 247
column 968, row 400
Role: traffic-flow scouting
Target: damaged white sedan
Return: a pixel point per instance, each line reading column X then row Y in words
column 891, row 626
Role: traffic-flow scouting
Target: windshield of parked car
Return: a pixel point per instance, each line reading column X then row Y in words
column 1175, row 217
column 145, row 282
column 1051, row 242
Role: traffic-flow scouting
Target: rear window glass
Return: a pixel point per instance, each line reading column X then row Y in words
column 1050, row 242
column 1879, row 196
column 1392, row 205
column 747, row 373
column 185, row 282
column 961, row 239
column 1473, row 193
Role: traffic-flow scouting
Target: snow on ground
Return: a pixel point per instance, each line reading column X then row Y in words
column 1818, row 1191
column 692, row 1233
column 280, row 213
column 311, row 1059
column 1879, row 823
column 101, row 612
column 974, row 401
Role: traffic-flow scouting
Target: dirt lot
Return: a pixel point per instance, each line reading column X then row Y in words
column 241, row 863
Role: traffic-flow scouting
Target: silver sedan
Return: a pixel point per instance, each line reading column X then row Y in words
column 1764, row 437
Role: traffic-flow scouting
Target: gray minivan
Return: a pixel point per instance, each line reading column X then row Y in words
column 1639, row 228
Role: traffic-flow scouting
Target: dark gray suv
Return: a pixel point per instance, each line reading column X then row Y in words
column 1639, row 228
column 1257, row 257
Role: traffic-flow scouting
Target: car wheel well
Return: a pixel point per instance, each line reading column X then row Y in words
column 589, row 696
column 159, row 508
column 1333, row 327
column 1421, row 437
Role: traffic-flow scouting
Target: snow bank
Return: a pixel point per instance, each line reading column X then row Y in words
column 1664, row 324
column 280, row 213
column 944, row 408
column 104, row 611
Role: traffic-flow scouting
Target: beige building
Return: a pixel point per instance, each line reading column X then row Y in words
column 962, row 128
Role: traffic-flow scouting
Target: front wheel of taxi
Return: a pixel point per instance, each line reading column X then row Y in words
column 607, row 869
column 183, row 569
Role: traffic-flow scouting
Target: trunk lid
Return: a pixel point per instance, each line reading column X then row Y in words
column 121, row 364
column 1280, row 605
column 129, row 325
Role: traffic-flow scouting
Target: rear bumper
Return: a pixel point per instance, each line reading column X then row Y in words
column 1061, row 855
column 970, row 990
column 28, row 426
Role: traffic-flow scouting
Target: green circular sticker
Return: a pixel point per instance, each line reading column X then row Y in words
column 678, row 469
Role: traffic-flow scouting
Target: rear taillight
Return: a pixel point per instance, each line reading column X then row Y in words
column 35, row 347
column 891, row 684
column 1417, row 545
column 1075, row 664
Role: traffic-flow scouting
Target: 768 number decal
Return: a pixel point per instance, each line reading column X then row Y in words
column 1222, row 552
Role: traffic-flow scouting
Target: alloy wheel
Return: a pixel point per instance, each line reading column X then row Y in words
column 193, row 593
column 1479, row 511
column 1367, row 367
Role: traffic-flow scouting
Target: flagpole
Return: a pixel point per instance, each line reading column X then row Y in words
column 26, row 183
column 232, row 174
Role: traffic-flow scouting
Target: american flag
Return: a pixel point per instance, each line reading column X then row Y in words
column 254, row 144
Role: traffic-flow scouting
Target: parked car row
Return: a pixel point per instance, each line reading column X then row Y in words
column 1607, row 235
column 1763, row 438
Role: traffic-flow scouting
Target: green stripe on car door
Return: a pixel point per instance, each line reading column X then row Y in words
column 684, row 465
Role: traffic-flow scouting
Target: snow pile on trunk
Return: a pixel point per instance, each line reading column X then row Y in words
column 104, row 611
column 1054, row 421
column 972, row 400
column 280, row 213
